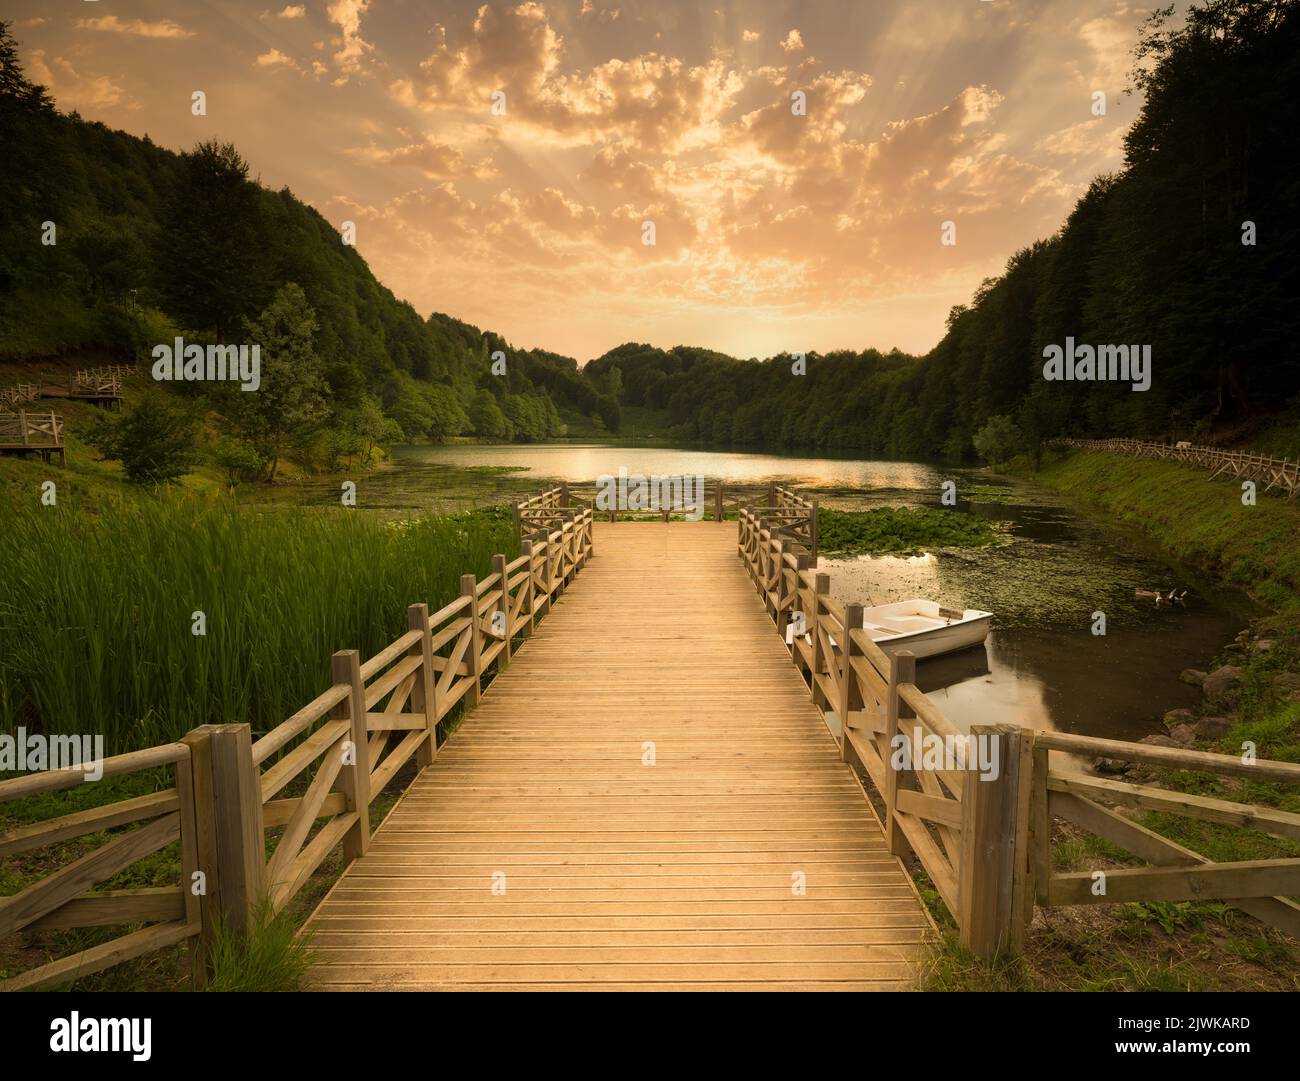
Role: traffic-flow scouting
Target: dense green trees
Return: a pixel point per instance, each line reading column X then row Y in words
column 290, row 403
column 154, row 441
column 1187, row 249
column 1152, row 255
column 150, row 243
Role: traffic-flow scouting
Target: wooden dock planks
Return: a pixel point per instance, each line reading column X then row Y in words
column 620, row 875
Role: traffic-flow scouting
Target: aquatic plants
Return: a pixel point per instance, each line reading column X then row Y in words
column 901, row 530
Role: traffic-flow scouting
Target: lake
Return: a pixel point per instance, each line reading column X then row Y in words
column 1041, row 666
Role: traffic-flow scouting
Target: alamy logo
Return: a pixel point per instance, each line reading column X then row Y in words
column 927, row 751
column 215, row 363
column 77, row 1033
column 1105, row 363
column 24, row 752
column 636, row 492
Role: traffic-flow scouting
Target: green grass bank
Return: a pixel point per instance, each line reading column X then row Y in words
column 1195, row 519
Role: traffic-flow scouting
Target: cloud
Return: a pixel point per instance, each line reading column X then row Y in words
column 293, row 11
column 651, row 101
column 437, row 161
column 75, row 89
column 274, row 58
column 346, row 15
column 793, row 42
column 750, row 35
column 111, row 24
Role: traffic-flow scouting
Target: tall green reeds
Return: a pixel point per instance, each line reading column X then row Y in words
column 97, row 610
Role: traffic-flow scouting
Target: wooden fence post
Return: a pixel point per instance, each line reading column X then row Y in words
column 821, row 587
column 474, row 655
column 354, row 780
column 771, row 493
column 564, row 493
column 782, row 616
column 902, row 669
column 503, row 606
column 526, row 550
column 852, row 622
column 1040, row 831
column 229, row 845
column 192, row 865
column 717, row 501
column 993, row 871
column 813, row 529
column 424, row 695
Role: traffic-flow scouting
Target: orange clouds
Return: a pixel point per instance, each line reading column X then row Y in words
column 796, row 176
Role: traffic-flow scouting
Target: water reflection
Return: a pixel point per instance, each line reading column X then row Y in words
column 1041, row 665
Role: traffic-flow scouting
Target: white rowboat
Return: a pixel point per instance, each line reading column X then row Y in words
column 925, row 628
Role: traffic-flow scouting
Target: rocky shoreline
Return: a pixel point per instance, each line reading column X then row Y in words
column 1222, row 690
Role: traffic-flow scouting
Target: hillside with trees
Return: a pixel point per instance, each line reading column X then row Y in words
column 1187, row 249
column 147, row 244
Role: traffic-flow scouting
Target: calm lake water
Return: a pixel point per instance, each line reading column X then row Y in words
column 1041, row 665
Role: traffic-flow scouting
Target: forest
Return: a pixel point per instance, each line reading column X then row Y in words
column 1185, row 250
column 110, row 242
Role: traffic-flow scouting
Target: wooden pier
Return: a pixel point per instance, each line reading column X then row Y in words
column 646, row 800
column 653, row 786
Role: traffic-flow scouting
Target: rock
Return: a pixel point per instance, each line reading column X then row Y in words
column 1182, row 734
column 1263, row 645
column 1158, row 741
column 1109, row 765
column 1211, row 727
column 1294, row 696
column 1175, row 717
column 1220, row 681
column 1288, row 681
column 1194, row 676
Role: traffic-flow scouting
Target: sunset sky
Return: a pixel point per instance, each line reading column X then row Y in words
column 774, row 231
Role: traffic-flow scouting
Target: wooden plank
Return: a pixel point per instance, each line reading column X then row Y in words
column 78, row 824
column 1205, row 808
column 1172, row 757
column 1279, row 912
column 42, row 897
column 116, row 906
column 101, row 957
column 596, row 791
column 1213, row 881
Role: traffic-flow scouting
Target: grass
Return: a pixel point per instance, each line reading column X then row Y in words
column 1184, row 946
column 96, row 625
column 1196, row 519
column 901, row 530
column 269, row 956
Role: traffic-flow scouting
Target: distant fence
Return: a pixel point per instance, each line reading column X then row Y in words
column 312, row 778
column 714, row 500
column 12, row 397
column 985, row 841
column 100, row 383
column 39, row 432
column 1282, row 473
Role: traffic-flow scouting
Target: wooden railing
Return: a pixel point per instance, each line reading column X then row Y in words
column 11, row 397
column 41, row 432
column 257, row 819
column 983, row 837
column 102, row 382
column 1280, row 473
column 65, row 898
column 715, row 502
